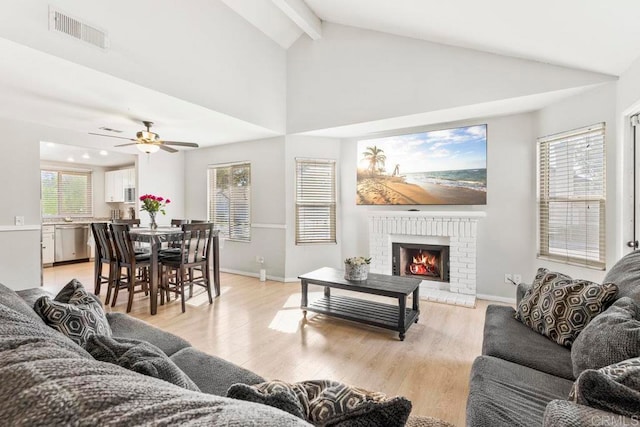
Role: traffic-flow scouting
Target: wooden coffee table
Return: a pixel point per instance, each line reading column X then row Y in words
column 397, row 318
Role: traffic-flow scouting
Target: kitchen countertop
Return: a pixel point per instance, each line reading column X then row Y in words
column 78, row 221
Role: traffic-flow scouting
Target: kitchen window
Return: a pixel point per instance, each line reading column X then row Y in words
column 572, row 196
column 315, row 201
column 230, row 200
column 66, row 193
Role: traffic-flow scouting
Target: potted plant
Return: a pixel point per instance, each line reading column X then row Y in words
column 153, row 204
column 356, row 268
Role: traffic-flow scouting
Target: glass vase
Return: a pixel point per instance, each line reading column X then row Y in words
column 153, row 224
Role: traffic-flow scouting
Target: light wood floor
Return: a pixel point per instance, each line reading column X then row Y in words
column 261, row 327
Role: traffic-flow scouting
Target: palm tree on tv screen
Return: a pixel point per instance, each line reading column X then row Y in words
column 376, row 158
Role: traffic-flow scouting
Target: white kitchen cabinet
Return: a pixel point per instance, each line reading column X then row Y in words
column 48, row 245
column 115, row 182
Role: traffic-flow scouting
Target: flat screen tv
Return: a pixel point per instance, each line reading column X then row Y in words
column 441, row 167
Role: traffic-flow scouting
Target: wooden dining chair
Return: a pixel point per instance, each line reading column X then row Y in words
column 179, row 222
column 178, row 269
column 135, row 265
column 131, row 222
column 105, row 255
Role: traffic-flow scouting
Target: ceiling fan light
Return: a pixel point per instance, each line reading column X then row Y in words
column 147, row 136
column 148, row 148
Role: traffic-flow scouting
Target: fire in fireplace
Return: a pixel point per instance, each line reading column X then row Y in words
column 430, row 262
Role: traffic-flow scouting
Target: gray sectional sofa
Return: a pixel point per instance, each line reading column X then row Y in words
column 47, row 379
column 524, row 379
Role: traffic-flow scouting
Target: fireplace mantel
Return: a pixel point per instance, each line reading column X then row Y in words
column 458, row 228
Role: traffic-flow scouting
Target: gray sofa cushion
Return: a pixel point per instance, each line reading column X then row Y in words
column 31, row 295
column 508, row 339
column 138, row 356
column 626, row 275
column 45, row 381
column 506, row 394
column 561, row 413
column 11, row 299
column 212, row 374
column 609, row 338
column 614, row 388
column 124, row 326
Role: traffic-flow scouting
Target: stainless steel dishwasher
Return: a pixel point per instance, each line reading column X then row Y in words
column 71, row 242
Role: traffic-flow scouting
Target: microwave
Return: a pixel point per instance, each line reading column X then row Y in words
column 129, row 195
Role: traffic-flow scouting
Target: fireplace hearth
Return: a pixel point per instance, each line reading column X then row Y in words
column 428, row 262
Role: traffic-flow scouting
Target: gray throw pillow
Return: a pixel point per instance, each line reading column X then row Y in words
column 324, row 402
column 560, row 308
column 614, row 388
column 78, row 319
column 138, row 356
column 70, row 288
column 609, row 338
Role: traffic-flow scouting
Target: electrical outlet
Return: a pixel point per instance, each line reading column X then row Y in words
column 259, row 259
column 19, row 220
column 508, row 278
column 517, row 278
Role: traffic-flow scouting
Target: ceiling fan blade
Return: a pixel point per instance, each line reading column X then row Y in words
column 167, row 149
column 125, row 145
column 111, row 136
column 182, row 144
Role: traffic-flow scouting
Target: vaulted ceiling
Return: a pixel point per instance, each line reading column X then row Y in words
column 205, row 72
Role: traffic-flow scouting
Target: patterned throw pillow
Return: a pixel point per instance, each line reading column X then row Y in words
column 70, row 288
column 78, row 319
column 611, row 337
column 324, row 402
column 559, row 308
column 614, row 388
column 138, row 356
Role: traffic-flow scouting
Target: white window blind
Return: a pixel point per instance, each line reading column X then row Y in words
column 572, row 196
column 230, row 200
column 66, row 193
column 315, row 201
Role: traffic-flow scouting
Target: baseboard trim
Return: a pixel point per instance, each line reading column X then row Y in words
column 251, row 274
column 496, row 298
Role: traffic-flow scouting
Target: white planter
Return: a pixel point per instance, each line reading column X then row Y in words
column 356, row 272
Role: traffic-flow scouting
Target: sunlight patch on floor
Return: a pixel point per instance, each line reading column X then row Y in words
column 287, row 321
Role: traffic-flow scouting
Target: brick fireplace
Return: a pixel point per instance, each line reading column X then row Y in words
column 457, row 231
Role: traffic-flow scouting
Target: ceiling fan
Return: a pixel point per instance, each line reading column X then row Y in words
column 150, row 142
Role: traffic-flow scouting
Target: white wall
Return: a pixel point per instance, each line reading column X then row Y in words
column 506, row 237
column 204, row 53
column 595, row 106
column 305, row 258
column 267, row 202
column 20, row 195
column 162, row 174
column 353, row 76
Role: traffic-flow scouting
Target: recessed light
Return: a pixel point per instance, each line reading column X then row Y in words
column 104, row 153
column 86, row 156
column 70, row 159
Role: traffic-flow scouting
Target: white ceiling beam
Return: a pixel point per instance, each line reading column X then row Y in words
column 302, row 15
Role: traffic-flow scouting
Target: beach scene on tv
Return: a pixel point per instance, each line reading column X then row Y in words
column 442, row 167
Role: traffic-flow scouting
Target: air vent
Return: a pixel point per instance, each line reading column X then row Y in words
column 63, row 23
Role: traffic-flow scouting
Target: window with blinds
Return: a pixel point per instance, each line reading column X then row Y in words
column 315, row 201
column 230, row 200
column 572, row 196
column 66, row 193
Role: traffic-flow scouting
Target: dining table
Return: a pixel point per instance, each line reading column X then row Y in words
column 155, row 238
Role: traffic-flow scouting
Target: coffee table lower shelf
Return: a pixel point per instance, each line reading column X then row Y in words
column 363, row 311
